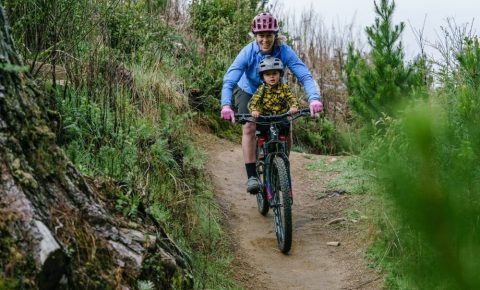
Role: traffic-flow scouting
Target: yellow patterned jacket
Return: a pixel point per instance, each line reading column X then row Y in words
column 272, row 101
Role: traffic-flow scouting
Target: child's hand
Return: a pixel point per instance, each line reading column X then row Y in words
column 292, row 110
column 255, row 114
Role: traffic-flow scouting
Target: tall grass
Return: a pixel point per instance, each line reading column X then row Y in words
column 125, row 118
column 427, row 166
column 322, row 47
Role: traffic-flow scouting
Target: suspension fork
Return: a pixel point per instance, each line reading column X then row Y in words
column 267, row 172
column 287, row 166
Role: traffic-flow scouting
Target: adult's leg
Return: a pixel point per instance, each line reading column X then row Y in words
column 248, row 142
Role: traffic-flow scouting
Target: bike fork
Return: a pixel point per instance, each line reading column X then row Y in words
column 290, row 190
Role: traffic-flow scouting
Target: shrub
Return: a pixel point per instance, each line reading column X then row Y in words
column 427, row 164
column 379, row 82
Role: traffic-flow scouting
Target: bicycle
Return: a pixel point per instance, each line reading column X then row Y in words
column 273, row 169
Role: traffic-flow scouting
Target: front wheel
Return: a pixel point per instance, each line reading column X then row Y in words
column 281, row 204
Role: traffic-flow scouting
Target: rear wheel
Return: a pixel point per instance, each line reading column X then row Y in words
column 262, row 202
column 281, row 204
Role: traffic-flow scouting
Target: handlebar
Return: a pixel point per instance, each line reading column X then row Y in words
column 245, row 118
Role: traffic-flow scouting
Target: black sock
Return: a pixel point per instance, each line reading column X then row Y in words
column 251, row 169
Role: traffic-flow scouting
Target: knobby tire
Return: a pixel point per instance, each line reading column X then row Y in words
column 262, row 203
column 281, row 204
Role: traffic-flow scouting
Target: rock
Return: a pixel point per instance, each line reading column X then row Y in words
column 48, row 255
column 333, row 244
column 335, row 221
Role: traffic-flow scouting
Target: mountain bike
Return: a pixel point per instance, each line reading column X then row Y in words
column 273, row 169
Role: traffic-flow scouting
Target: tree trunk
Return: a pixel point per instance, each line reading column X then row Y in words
column 55, row 230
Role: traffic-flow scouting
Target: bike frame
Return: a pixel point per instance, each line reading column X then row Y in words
column 279, row 144
column 273, row 144
column 274, row 168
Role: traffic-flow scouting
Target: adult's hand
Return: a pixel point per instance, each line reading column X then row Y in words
column 315, row 107
column 227, row 113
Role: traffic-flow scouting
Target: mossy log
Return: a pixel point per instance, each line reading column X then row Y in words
column 49, row 257
column 55, row 232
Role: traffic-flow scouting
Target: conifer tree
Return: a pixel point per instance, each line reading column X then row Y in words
column 380, row 80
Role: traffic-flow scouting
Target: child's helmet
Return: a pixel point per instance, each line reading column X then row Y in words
column 270, row 63
column 264, row 22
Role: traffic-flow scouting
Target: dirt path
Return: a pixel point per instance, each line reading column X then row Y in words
column 311, row 263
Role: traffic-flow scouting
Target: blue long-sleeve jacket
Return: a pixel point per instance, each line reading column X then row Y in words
column 243, row 71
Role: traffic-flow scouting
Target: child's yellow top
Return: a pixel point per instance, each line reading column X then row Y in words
column 275, row 101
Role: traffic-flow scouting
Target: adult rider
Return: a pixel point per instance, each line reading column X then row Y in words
column 241, row 80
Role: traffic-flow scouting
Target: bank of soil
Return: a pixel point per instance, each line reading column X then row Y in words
column 319, row 218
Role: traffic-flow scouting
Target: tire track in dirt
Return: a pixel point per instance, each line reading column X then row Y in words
column 311, row 264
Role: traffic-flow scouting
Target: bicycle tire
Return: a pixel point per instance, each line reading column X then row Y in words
column 262, row 202
column 281, row 204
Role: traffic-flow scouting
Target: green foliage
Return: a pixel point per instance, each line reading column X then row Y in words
column 468, row 77
column 124, row 114
column 9, row 68
column 158, row 169
column 380, row 82
column 60, row 31
column 161, row 273
column 222, row 21
column 145, row 285
column 427, row 163
column 126, row 27
column 349, row 175
column 223, row 27
column 319, row 136
column 41, row 26
column 432, row 177
column 208, row 267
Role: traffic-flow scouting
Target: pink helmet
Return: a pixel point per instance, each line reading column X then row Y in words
column 264, row 22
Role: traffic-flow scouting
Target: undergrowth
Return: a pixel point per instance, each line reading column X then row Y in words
column 348, row 175
column 126, row 118
column 158, row 172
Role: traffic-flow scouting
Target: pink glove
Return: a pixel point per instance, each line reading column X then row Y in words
column 315, row 107
column 227, row 113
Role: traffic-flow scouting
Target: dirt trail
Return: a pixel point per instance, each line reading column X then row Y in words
column 311, row 263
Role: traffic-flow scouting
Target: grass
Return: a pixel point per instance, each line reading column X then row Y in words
column 380, row 229
column 349, row 175
column 155, row 168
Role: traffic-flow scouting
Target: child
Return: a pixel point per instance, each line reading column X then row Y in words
column 272, row 97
